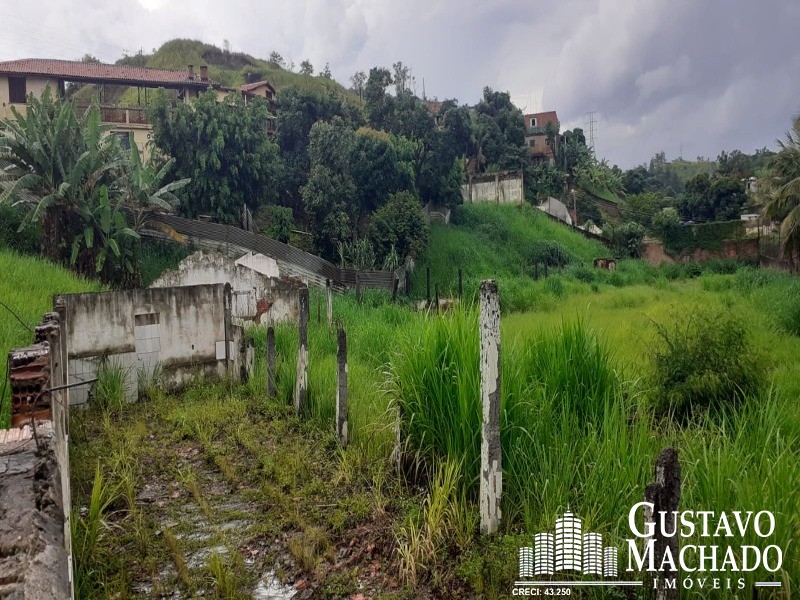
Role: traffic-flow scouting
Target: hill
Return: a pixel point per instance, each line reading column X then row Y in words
column 487, row 240
column 686, row 169
column 27, row 287
column 231, row 69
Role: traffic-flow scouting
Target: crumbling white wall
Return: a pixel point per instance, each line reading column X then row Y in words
column 258, row 295
column 501, row 188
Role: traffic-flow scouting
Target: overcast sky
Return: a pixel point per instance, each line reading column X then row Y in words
column 701, row 75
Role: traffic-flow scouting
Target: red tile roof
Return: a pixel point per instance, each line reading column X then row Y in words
column 254, row 86
column 84, row 71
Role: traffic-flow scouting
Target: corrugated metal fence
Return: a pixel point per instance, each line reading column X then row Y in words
column 292, row 262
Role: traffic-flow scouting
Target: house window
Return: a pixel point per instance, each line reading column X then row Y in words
column 532, row 142
column 533, row 121
column 124, row 139
column 17, row 93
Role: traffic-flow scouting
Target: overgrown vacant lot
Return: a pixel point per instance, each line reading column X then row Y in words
column 222, row 490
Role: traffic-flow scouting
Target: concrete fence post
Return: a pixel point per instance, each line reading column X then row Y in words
column 301, row 385
column 329, row 291
column 341, row 389
column 395, row 285
column 271, row 361
column 358, row 289
column 664, row 494
column 428, row 286
column 491, row 474
column 436, row 296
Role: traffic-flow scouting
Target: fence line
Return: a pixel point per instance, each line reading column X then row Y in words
column 292, row 261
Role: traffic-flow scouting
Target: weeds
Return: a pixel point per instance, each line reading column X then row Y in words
column 703, row 361
column 109, row 389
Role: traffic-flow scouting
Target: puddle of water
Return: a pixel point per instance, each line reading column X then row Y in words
column 270, row 588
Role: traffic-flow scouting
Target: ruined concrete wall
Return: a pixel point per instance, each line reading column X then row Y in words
column 182, row 330
column 33, row 559
column 502, row 188
column 258, row 297
column 35, row 531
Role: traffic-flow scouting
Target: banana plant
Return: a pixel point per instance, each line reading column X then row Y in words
column 105, row 234
column 145, row 194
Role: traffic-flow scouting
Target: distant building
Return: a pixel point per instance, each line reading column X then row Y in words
column 20, row 79
column 536, row 140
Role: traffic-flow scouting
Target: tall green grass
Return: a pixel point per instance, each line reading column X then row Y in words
column 578, row 433
column 27, row 287
column 487, row 240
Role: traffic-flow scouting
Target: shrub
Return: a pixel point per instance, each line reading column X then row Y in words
column 400, row 223
column 626, row 239
column 705, row 362
column 109, row 389
column 275, row 222
column 27, row 241
column 552, row 253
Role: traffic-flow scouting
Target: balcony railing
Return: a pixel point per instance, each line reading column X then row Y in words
column 112, row 113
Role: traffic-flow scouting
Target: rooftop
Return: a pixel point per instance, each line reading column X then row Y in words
column 115, row 74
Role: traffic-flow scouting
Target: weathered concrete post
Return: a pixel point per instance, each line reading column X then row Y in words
column 428, row 286
column 459, row 284
column 664, row 494
column 395, row 284
column 301, row 385
column 491, row 484
column 358, row 289
column 271, row 361
column 341, row 389
column 436, row 296
column 329, row 291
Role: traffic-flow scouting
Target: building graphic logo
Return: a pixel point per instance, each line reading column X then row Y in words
column 569, row 557
column 555, row 560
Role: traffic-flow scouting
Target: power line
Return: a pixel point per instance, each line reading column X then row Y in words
column 591, row 125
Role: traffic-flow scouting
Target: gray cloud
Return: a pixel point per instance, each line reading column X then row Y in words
column 707, row 75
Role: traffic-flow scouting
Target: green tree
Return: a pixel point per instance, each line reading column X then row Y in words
column 298, row 110
column 399, row 225
column 306, row 68
column 707, row 198
column 223, row 148
column 329, row 194
column 377, row 102
column 783, row 190
column 377, row 170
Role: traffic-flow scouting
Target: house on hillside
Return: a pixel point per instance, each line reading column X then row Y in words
column 538, row 145
column 22, row 78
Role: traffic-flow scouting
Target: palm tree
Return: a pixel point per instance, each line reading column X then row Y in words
column 783, row 191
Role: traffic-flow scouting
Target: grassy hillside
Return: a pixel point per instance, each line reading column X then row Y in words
column 685, row 169
column 231, row 69
column 487, row 240
column 27, row 287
